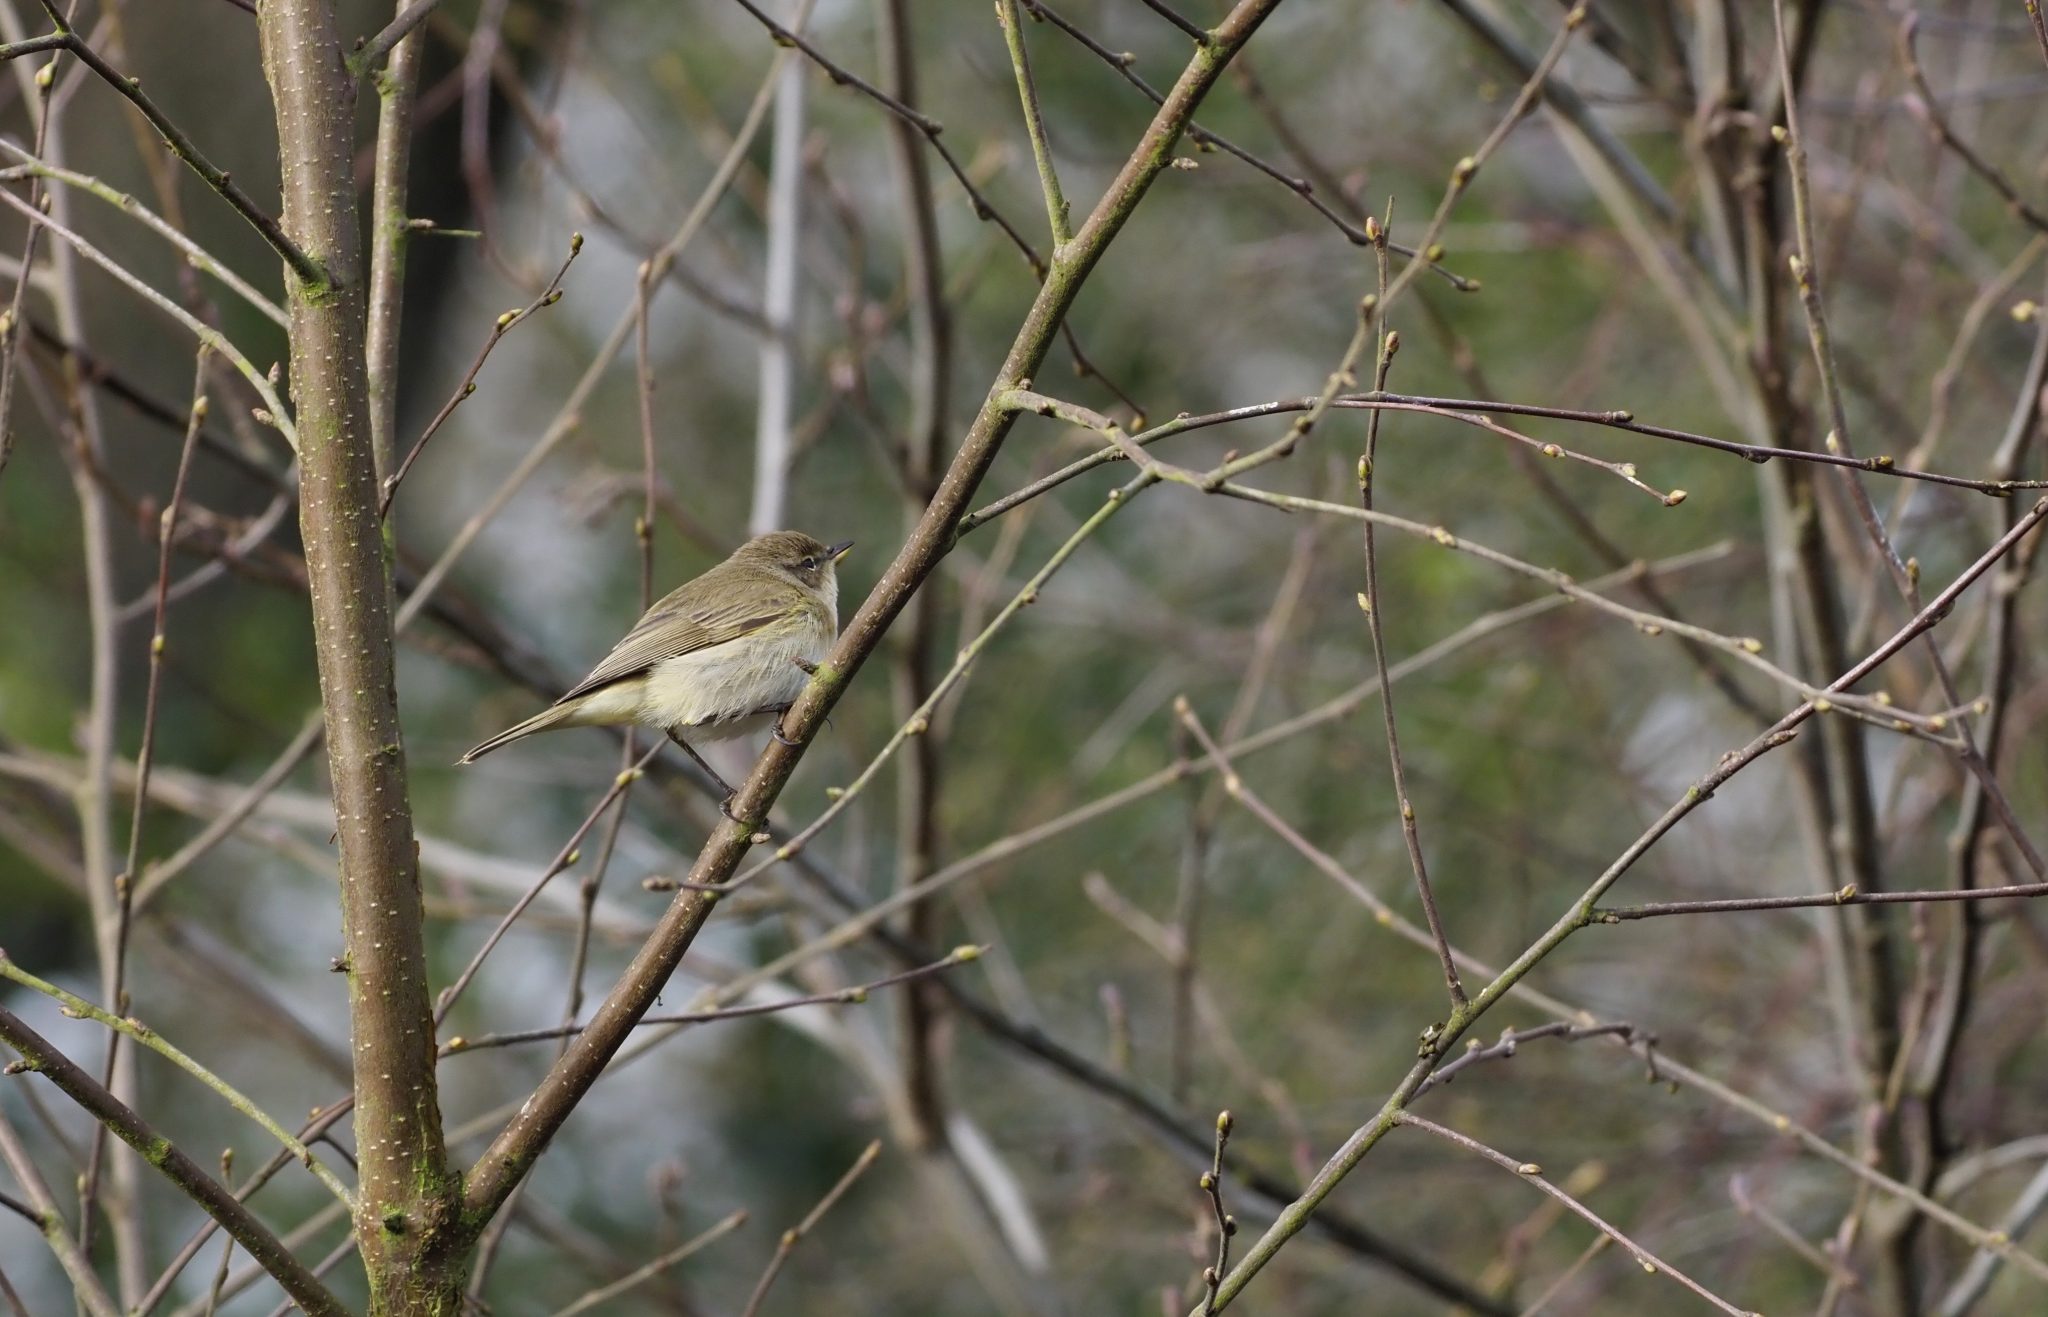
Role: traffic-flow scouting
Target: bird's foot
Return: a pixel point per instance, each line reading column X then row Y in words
column 781, row 737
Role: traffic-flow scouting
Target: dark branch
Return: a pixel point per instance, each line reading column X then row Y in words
column 39, row 1056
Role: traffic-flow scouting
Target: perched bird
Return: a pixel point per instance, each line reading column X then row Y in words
column 719, row 657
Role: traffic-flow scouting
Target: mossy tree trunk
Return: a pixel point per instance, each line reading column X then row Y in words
column 407, row 1220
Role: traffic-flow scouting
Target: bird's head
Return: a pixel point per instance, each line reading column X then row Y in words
column 796, row 557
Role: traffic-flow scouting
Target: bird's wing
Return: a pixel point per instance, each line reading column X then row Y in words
column 683, row 624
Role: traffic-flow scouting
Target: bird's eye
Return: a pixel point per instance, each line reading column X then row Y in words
column 808, row 564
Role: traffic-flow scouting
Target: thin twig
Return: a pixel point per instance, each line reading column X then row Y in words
column 145, row 755
column 1556, row 1287
column 1511, row 1041
column 372, row 52
column 1034, row 124
column 1806, row 276
column 499, row 328
column 274, row 414
column 1847, row 896
column 80, row 1008
column 227, row 1244
column 606, row 1293
column 1226, row 1224
column 931, row 128
column 855, row 995
column 85, row 1284
column 792, row 1237
column 1301, row 187
column 17, row 312
column 1371, row 602
column 198, row 256
column 110, row 1111
column 1452, row 407
column 565, row 857
column 7, row 1290
column 1533, row 1173
column 1179, row 20
column 309, row 271
column 1877, row 710
column 1927, row 109
column 223, row 825
column 1777, row 1226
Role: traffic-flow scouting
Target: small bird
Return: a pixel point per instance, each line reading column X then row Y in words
column 718, row 657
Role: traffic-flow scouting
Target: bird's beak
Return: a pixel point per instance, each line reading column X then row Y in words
column 839, row 550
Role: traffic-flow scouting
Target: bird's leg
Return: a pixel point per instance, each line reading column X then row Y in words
column 781, row 711
column 809, row 669
column 725, row 805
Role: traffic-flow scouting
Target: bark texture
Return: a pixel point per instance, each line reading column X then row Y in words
column 405, row 1215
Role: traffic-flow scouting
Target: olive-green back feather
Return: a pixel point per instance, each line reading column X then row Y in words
column 698, row 615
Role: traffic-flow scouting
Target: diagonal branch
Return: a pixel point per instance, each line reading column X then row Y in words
column 155, row 1042
column 1436, row 1040
column 1923, row 105
column 372, row 53
column 92, row 1297
column 275, row 413
column 1533, row 1173
column 1034, row 125
column 1806, row 276
column 1369, row 602
column 516, row 1148
column 795, row 1234
column 309, row 271
column 198, row 256
column 39, row 1056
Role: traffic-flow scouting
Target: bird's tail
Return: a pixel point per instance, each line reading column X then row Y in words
column 556, row 716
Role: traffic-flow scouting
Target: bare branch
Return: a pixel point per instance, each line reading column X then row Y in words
column 1034, row 124
column 1226, row 1224
column 606, row 1293
column 369, row 55
column 794, row 1236
column 500, row 327
column 250, row 1233
column 308, row 271
column 85, row 1285
column 1533, row 1173
column 516, row 1147
column 155, row 1042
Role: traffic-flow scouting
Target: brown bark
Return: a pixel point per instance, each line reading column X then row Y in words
column 406, row 1195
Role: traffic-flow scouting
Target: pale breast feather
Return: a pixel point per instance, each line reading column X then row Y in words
column 725, row 683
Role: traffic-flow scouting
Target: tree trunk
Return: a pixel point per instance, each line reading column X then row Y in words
column 407, row 1219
